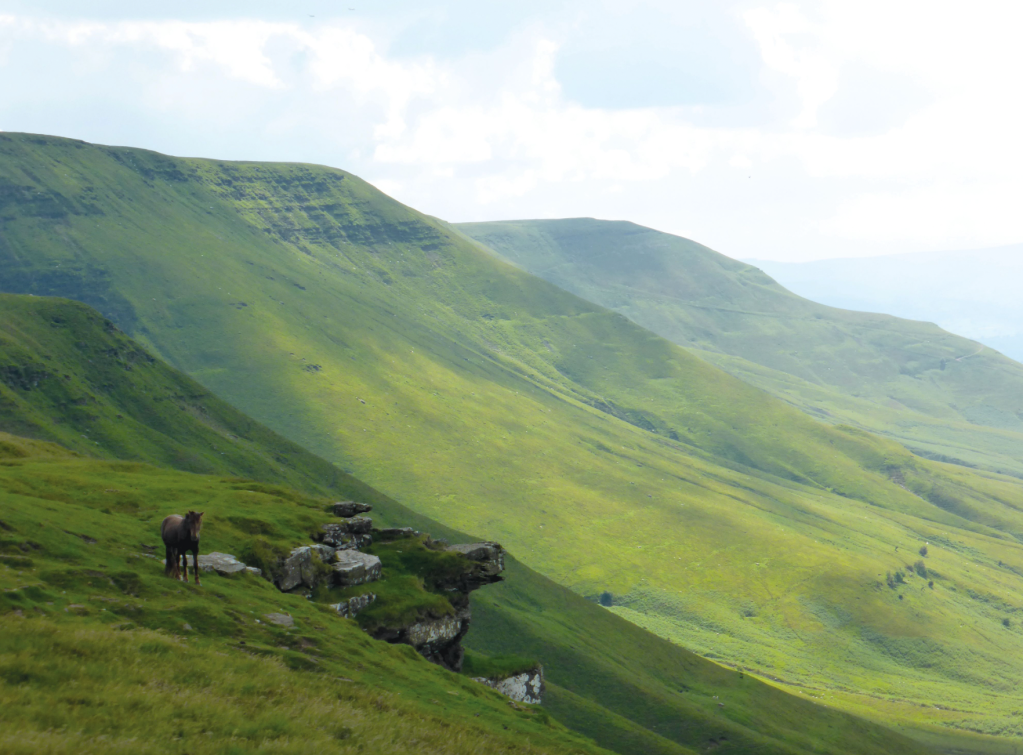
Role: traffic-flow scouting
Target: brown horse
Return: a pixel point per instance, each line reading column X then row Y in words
column 181, row 535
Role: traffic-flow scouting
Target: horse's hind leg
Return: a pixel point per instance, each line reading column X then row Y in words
column 170, row 568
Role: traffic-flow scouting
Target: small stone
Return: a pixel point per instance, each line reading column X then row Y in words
column 187, row 627
column 254, row 570
column 281, row 619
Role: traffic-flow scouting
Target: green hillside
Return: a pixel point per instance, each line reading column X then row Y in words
column 603, row 456
column 648, row 697
column 100, row 652
column 943, row 395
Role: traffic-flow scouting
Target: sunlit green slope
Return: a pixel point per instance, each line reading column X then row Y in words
column 66, row 373
column 939, row 393
column 600, row 454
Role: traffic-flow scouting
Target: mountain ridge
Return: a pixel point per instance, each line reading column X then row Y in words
column 908, row 380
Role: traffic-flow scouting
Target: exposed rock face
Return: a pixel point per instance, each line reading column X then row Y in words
column 527, row 687
column 355, row 568
column 437, row 640
column 351, row 508
column 487, row 564
column 337, row 560
column 350, row 534
column 347, row 609
column 301, row 568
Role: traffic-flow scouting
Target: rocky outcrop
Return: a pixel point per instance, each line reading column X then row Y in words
column 350, row 534
column 526, row 687
column 487, row 564
column 336, row 560
column 438, row 640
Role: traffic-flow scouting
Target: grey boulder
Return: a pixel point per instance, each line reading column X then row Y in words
column 221, row 563
column 300, row 567
column 355, row 568
column 351, row 508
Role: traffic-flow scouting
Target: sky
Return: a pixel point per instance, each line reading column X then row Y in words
column 778, row 131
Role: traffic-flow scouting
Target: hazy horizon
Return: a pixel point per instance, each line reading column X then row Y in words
column 791, row 131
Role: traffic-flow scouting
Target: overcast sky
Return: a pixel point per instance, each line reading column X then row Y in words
column 786, row 131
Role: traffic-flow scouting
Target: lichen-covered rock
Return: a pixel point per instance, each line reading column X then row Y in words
column 437, row 639
column 347, row 609
column 304, row 567
column 355, row 568
column 221, row 563
column 340, row 535
column 488, row 563
column 359, row 525
column 351, row 508
column 527, row 687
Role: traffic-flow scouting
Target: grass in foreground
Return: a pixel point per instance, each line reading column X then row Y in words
column 100, row 652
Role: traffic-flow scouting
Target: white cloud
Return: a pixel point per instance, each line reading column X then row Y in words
column 491, row 133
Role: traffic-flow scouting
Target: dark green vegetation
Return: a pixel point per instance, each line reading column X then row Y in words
column 945, row 396
column 604, row 456
column 645, row 695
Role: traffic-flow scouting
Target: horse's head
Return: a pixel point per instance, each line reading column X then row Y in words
column 193, row 521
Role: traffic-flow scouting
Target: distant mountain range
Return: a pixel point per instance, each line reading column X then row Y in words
column 975, row 293
column 939, row 393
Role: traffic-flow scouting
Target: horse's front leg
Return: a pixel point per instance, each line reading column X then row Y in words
column 195, row 564
column 184, row 564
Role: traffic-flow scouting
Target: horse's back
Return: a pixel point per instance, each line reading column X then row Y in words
column 170, row 527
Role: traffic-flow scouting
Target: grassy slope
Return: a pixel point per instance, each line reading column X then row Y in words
column 911, row 380
column 603, row 456
column 142, row 408
column 99, row 652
